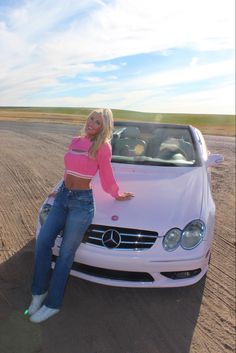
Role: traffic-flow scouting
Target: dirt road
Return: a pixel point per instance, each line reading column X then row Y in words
column 96, row 318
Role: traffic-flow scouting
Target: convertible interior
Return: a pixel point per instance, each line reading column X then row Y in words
column 163, row 143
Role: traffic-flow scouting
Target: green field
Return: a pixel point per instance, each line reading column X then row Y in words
column 192, row 119
column 209, row 123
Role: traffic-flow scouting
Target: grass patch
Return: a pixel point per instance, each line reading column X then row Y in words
column 211, row 123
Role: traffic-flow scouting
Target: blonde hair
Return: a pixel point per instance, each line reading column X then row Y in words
column 106, row 132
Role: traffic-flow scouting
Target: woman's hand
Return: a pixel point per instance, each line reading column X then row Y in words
column 125, row 196
column 52, row 194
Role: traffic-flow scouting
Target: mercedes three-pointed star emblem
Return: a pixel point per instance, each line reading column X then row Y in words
column 111, row 238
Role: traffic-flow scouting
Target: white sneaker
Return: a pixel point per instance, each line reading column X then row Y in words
column 37, row 301
column 43, row 314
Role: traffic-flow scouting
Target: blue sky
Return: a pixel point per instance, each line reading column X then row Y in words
column 175, row 56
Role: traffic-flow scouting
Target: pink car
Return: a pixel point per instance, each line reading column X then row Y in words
column 163, row 236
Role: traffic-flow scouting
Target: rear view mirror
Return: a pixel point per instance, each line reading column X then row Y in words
column 214, row 160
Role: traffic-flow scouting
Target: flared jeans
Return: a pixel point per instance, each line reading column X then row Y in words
column 72, row 212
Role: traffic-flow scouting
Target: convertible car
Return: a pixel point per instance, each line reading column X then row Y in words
column 163, row 236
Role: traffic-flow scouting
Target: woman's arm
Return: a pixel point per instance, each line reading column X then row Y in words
column 107, row 178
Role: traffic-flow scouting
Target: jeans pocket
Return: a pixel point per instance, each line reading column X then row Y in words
column 58, row 201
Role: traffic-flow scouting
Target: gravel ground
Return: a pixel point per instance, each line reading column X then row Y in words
column 96, row 318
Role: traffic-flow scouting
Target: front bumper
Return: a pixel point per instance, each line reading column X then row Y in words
column 137, row 268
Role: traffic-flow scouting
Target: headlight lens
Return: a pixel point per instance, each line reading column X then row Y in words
column 44, row 213
column 192, row 234
column 172, row 239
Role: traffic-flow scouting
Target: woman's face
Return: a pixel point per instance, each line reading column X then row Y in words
column 94, row 124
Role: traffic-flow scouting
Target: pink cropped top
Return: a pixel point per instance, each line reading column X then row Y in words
column 79, row 163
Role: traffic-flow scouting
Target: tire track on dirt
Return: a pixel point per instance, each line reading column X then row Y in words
column 183, row 320
column 26, row 173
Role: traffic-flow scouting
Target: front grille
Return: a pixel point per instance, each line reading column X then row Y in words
column 110, row 274
column 117, row 238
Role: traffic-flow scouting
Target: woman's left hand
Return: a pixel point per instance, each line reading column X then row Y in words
column 125, row 196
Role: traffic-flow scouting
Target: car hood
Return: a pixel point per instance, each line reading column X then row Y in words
column 165, row 197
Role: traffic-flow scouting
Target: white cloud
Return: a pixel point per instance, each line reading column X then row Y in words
column 212, row 101
column 43, row 41
column 129, row 27
column 218, row 100
column 93, row 79
column 194, row 61
column 146, row 93
column 185, row 75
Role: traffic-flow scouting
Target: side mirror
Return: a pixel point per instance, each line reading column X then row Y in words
column 214, row 160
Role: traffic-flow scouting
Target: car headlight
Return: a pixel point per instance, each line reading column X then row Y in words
column 172, row 239
column 192, row 234
column 44, row 213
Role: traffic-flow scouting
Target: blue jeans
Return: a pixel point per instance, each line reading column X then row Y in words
column 72, row 212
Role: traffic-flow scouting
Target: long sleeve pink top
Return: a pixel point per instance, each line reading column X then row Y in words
column 79, row 163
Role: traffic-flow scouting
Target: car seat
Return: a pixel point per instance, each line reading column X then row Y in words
column 130, row 143
column 187, row 147
column 153, row 146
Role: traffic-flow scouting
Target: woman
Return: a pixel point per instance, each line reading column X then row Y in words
column 72, row 211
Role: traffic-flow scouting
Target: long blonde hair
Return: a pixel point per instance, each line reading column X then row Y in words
column 106, row 132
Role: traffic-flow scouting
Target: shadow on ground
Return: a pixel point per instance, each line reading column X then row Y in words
column 96, row 318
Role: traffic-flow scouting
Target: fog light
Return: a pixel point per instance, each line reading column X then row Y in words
column 181, row 274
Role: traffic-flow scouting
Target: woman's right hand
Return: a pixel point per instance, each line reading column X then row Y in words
column 124, row 196
column 52, row 194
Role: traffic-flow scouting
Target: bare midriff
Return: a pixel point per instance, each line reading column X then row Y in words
column 75, row 183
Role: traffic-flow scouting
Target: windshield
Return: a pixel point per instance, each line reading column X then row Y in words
column 153, row 144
